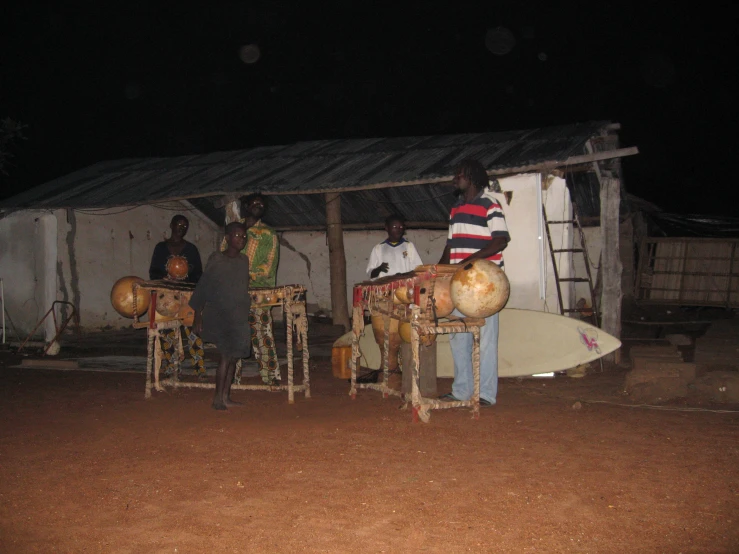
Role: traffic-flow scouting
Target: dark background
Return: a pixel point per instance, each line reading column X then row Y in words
column 129, row 79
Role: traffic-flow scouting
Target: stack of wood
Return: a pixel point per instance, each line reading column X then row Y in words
column 720, row 344
column 658, row 374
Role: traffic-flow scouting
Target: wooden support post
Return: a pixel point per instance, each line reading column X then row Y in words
column 610, row 304
column 337, row 260
column 626, row 246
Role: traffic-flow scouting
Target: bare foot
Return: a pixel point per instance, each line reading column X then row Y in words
column 218, row 405
column 232, row 403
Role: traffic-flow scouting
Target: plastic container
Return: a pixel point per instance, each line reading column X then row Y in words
column 341, row 357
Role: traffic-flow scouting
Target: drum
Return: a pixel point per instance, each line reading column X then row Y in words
column 441, row 288
column 404, row 330
column 401, row 296
column 177, row 268
column 187, row 314
column 378, row 326
column 479, row 288
column 121, row 297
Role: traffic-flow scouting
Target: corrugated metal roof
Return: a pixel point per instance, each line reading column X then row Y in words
column 299, row 170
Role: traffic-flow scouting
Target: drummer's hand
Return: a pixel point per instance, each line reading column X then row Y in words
column 383, row 267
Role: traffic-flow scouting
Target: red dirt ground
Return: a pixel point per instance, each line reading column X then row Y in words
column 88, row 465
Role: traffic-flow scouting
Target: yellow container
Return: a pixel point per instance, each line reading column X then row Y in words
column 341, row 357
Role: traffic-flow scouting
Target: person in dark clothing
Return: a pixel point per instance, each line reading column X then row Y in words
column 221, row 302
column 176, row 245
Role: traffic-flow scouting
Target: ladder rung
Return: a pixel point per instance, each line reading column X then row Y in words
column 574, row 279
column 563, row 221
column 569, row 250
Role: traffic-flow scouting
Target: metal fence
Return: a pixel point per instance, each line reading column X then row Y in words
column 689, row 271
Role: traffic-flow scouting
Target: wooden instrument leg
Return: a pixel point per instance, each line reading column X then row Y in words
column 157, row 359
column 151, row 337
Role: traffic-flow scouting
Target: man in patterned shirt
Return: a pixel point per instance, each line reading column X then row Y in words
column 477, row 230
column 263, row 249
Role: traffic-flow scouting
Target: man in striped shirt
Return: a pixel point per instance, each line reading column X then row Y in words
column 477, row 230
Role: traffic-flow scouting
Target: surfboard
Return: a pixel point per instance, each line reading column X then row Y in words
column 529, row 343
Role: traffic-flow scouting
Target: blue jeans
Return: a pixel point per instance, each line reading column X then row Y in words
column 461, row 344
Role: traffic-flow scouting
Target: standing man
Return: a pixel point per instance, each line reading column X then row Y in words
column 477, row 230
column 263, row 250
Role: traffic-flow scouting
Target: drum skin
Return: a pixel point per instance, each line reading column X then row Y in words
column 121, row 297
column 479, row 289
column 177, row 268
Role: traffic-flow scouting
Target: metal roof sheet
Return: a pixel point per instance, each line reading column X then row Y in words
column 368, row 172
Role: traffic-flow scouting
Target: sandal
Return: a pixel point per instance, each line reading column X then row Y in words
column 486, row 403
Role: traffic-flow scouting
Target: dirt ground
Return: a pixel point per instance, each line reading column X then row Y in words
column 88, row 465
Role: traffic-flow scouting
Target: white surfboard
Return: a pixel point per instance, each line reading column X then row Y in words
column 530, row 343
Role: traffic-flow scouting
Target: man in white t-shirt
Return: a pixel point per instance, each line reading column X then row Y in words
column 395, row 254
column 392, row 256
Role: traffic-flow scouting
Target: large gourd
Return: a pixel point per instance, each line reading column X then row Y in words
column 121, row 297
column 479, row 288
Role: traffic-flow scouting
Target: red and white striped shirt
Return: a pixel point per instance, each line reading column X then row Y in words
column 472, row 225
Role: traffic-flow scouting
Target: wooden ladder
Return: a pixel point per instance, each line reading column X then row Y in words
column 594, row 315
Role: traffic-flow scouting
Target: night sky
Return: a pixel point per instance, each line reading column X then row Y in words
column 106, row 80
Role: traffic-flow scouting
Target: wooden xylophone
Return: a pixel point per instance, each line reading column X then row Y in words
column 427, row 286
column 169, row 302
column 276, row 296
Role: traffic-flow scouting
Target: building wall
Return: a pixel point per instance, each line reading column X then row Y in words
column 77, row 256
column 27, row 244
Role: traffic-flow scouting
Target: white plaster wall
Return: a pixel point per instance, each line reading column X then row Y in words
column 98, row 247
column 522, row 260
column 23, row 245
column 299, row 249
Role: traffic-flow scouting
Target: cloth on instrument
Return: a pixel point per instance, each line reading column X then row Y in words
column 263, row 343
column 195, row 343
column 223, row 295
